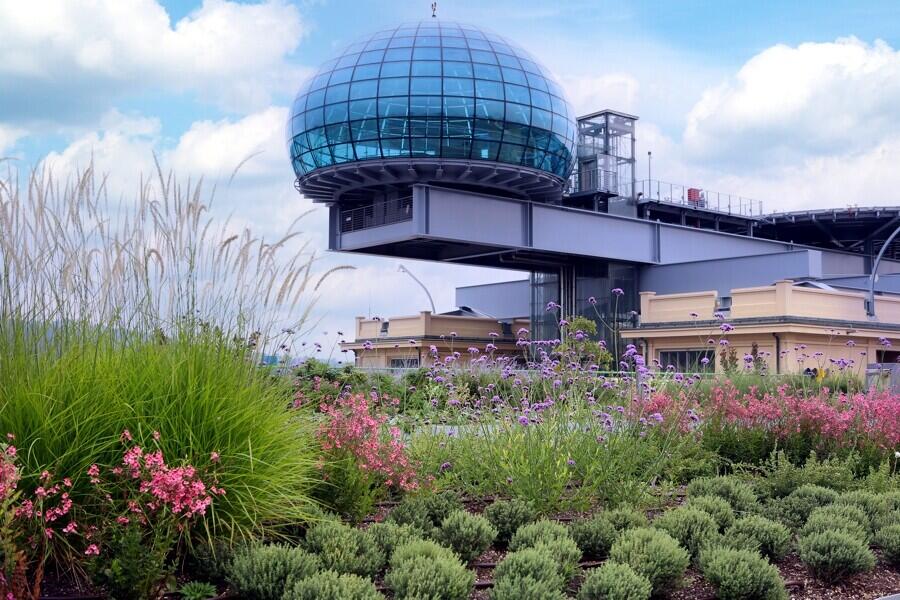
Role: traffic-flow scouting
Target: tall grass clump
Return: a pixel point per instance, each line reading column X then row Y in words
column 148, row 315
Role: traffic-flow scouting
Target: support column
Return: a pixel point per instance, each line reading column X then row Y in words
column 567, row 290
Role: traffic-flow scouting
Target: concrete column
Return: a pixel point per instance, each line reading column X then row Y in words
column 646, row 298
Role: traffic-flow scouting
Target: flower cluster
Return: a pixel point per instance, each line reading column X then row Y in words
column 9, row 473
column 353, row 426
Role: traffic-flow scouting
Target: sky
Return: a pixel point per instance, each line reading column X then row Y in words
column 796, row 104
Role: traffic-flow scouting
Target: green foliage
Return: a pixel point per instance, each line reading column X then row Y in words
column 330, row 585
column 742, row 575
column 653, row 554
column 390, row 535
column 264, row 572
column 837, row 517
column 888, row 539
column 507, row 516
column 692, row 528
column 875, row 507
column 757, row 533
column 425, row 511
column 794, row 509
column 426, row 548
column 539, row 531
column 344, row 549
column 467, row 534
column 613, row 581
column 432, row 573
column 198, row 590
column 530, row 564
column 594, row 535
column 345, row 488
column 566, row 553
column 517, row 589
column 738, row 494
column 718, row 508
column 780, row 477
column 835, row 555
column 133, row 565
column 624, row 518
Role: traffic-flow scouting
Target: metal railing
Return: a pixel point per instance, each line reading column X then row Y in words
column 693, row 197
column 593, row 180
column 376, row 214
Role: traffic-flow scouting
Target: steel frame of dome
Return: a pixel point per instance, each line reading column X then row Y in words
column 438, row 102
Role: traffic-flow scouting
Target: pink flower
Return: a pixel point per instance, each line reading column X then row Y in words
column 214, row 457
column 92, row 550
column 126, row 436
column 71, row 527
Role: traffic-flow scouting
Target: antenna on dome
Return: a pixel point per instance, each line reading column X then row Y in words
column 434, row 10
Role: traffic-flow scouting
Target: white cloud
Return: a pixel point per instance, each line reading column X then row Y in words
column 64, row 59
column 9, row 136
column 618, row 91
column 217, row 147
column 790, row 103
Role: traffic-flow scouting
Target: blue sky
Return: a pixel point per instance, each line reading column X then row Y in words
column 793, row 103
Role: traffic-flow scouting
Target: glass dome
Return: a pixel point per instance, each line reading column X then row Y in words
column 432, row 90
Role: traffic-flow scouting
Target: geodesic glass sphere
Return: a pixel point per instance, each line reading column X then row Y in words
column 432, row 89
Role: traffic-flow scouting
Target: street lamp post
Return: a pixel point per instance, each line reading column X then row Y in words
column 403, row 269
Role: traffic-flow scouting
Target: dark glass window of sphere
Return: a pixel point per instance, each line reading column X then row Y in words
column 432, row 89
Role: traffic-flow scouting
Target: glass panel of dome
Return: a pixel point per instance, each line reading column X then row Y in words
column 319, row 81
column 406, row 31
column 480, row 45
column 337, row 93
column 459, row 107
column 539, row 138
column 514, row 76
column 536, row 81
column 315, row 99
column 322, row 156
column 395, row 69
column 427, row 53
column 489, row 109
column 456, row 86
column 540, row 99
column 425, row 85
column 508, row 61
column 529, row 66
column 393, row 107
column 316, row 137
column 401, row 42
column 372, row 56
column 456, row 147
column 488, row 130
column 366, row 72
column 398, row 54
column 485, row 150
column 456, row 54
column 515, row 134
column 338, row 134
column 488, row 72
column 428, row 30
column 393, row 127
column 394, row 86
column 516, row 93
column 453, row 42
column 367, row 149
column 385, row 34
column 457, row 69
column 425, row 106
column 348, row 60
column 518, row 113
column 395, row 147
column 484, row 56
column 364, row 89
column 489, row 89
column 314, row 118
column 511, row 153
column 427, row 40
column 367, row 129
column 541, row 118
column 426, row 67
column 335, row 113
column 458, row 128
column 340, row 76
column 361, row 109
column 379, row 44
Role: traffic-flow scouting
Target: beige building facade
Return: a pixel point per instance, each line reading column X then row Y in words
column 405, row 342
column 789, row 327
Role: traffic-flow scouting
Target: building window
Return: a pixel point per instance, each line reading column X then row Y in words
column 404, row 363
column 688, row 361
